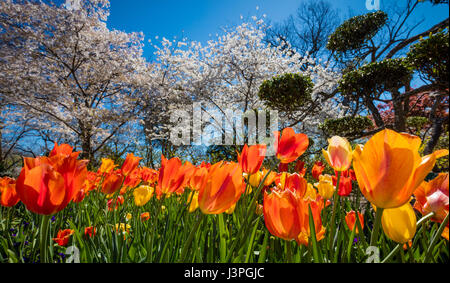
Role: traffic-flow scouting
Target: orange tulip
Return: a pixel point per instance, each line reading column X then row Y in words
column 148, row 175
column 317, row 169
column 433, row 197
column 350, row 219
column 339, row 153
column 293, row 182
column 131, row 162
column 252, row 158
column 290, row 146
column 47, row 184
column 112, row 183
column 172, row 176
column 145, row 216
column 316, row 209
column 222, row 188
column 282, row 214
column 389, row 168
column 63, row 237
column 270, row 178
column 8, row 192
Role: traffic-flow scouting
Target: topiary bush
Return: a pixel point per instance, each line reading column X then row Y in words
column 354, row 32
column 288, row 92
column 346, row 126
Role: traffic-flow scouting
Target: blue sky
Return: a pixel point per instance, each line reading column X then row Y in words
column 198, row 19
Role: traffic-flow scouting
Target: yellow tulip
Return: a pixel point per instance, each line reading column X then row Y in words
column 255, row 179
column 142, row 195
column 311, row 193
column 389, row 168
column 325, row 186
column 106, row 166
column 399, row 224
column 194, row 202
column 339, row 153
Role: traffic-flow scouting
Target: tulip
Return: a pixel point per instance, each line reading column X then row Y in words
column 399, row 224
column 350, row 219
column 345, row 182
column 270, row 178
column 255, row 179
column 112, row 183
column 107, row 166
column 131, row 162
column 197, row 178
column 433, row 197
column 293, row 182
column 282, row 214
column 132, row 180
column 47, row 184
column 124, row 228
column 90, row 231
column 325, row 186
column 311, row 193
column 145, row 216
column 300, row 168
column 79, row 196
column 290, row 146
column 113, row 204
column 445, row 233
column 283, row 167
column 339, row 153
column 63, row 237
column 389, row 168
column 252, row 158
column 193, row 198
column 148, row 175
column 317, row 170
column 142, row 195
column 305, row 233
column 171, row 176
column 222, row 188
column 8, row 194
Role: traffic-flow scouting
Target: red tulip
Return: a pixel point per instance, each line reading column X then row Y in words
column 252, row 158
column 317, row 169
column 290, row 146
column 63, row 237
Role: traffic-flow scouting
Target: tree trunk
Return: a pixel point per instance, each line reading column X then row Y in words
column 399, row 113
column 86, row 147
column 375, row 113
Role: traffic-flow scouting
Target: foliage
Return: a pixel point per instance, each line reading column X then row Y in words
column 288, row 92
column 356, row 31
column 371, row 80
column 430, row 57
column 346, row 126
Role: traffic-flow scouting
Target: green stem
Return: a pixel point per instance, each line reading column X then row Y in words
column 188, row 243
column 289, row 251
column 435, row 237
column 376, row 226
column 43, row 233
column 335, row 207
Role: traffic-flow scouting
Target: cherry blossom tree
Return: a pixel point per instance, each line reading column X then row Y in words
column 64, row 67
column 226, row 73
